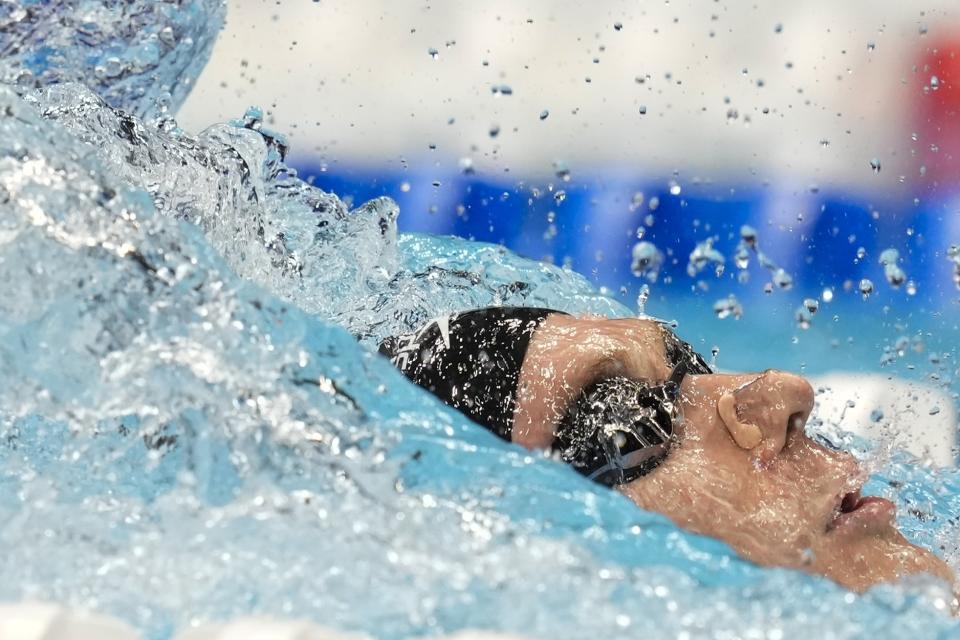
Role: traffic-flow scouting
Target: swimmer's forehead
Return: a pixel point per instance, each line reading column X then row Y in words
column 652, row 345
column 661, row 344
column 647, row 329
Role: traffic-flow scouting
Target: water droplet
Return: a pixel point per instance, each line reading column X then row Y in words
column 501, row 90
column 778, row 28
column 953, row 254
column 889, row 256
column 636, row 201
column 934, row 82
column 827, row 295
column 404, row 187
column 647, row 260
column 824, row 142
column 875, row 165
column 563, row 173
column 560, row 196
column 714, row 352
column 782, row 279
column 643, row 109
column 617, row 26
column 866, row 288
column 876, row 415
column 911, row 288
column 891, row 270
column 702, row 255
column 871, row 46
column 654, row 203
column 642, row 300
column 494, row 130
column 726, row 307
column 861, row 253
column 765, row 262
column 741, row 258
column 674, row 188
column 749, row 235
column 544, row 114
column 768, row 287
column 433, row 53
column 934, row 410
column 803, row 318
column 811, row 305
column 466, row 166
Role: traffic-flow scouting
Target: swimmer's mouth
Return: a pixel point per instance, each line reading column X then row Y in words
column 854, row 506
column 851, row 502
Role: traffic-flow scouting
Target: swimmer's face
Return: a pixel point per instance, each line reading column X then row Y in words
column 743, row 469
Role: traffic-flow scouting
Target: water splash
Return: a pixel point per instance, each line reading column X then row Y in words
column 231, row 181
column 141, row 56
column 185, row 416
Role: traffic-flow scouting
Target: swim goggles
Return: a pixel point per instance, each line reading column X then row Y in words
column 619, row 429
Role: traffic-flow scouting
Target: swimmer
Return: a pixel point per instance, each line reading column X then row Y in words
column 628, row 404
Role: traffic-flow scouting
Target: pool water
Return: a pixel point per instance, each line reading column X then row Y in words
column 192, row 430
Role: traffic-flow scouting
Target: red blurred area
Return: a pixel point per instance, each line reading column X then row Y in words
column 938, row 112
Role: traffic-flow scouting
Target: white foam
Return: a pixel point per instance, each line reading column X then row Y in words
column 39, row 621
column 45, row 621
column 261, row 628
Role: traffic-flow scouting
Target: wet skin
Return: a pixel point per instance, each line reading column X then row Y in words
column 743, row 469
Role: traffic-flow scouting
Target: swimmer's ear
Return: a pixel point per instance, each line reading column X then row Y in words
column 746, row 435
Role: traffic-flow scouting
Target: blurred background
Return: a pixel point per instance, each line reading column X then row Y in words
column 749, row 163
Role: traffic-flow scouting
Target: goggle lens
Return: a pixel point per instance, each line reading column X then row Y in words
column 620, row 429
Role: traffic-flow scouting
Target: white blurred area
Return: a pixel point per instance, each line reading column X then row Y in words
column 794, row 93
column 911, row 416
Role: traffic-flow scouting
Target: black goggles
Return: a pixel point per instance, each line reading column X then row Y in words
column 620, row 429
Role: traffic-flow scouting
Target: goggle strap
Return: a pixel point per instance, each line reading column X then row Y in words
column 631, row 461
column 678, row 373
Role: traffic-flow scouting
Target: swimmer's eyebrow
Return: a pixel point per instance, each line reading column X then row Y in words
column 666, row 336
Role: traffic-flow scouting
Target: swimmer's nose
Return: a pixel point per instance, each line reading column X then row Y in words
column 762, row 413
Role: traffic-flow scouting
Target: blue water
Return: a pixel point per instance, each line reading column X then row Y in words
column 192, row 431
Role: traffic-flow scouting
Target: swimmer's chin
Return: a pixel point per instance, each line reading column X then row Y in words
column 859, row 562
